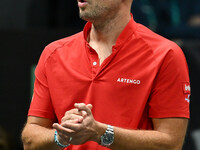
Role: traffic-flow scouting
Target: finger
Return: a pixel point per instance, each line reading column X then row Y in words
column 73, row 121
column 63, row 130
column 76, row 112
column 83, row 107
column 90, row 106
column 72, row 126
column 84, row 113
column 73, row 111
column 72, row 117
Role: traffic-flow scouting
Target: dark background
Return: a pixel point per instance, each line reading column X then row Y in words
column 27, row 26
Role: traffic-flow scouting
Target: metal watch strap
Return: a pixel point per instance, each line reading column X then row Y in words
column 57, row 141
column 110, row 129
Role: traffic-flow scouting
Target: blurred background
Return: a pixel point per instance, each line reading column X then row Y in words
column 27, row 26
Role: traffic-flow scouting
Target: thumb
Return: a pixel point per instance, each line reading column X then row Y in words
column 90, row 106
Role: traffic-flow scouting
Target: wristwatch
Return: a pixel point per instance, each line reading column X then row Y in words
column 108, row 137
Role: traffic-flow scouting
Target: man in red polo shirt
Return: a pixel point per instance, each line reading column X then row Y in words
column 116, row 85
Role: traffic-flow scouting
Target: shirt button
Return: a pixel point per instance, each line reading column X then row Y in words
column 94, row 63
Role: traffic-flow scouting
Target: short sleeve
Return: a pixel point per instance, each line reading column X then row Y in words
column 171, row 91
column 41, row 104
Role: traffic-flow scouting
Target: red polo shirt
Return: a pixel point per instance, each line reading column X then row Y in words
column 146, row 76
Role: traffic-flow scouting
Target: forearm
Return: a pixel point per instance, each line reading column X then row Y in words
column 141, row 139
column 36, row 137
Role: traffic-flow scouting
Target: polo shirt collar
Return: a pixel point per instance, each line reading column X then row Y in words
column 129, row 29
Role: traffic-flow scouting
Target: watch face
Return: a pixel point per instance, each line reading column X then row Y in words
column 108, row 139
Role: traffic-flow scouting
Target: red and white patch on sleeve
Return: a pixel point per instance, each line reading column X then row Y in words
column 186, row 87
column 187, row 91
column 187, row 98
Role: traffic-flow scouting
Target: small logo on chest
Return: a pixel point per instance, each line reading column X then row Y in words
column 129, row 81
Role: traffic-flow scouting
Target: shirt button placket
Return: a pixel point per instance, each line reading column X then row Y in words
column 93, row 60
column 94, row 63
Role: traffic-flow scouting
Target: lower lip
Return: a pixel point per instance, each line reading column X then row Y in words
column 82, row 4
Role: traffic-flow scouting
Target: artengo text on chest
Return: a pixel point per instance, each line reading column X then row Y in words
column 131, row 81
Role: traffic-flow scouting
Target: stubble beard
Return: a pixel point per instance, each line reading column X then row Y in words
column 99, row 15
column 96, row 13
column 87, row 16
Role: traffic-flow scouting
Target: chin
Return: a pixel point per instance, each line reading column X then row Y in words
column 86, row 19
column 85, row 16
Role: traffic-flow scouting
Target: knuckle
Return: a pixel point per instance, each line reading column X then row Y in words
column 75, row 110
column 65, row 125
column 63, row 119
column 82, row 104
column 72, row 132
column 80, row 117
column 66, row 113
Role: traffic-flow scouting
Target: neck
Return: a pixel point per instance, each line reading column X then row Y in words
column 107, row 30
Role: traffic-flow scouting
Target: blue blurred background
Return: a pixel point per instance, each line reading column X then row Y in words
column 27, row 26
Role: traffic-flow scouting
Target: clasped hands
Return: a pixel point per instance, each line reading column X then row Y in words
column 77, row 126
